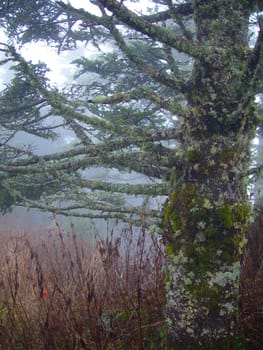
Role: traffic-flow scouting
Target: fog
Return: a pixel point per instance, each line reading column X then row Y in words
column 61, row 75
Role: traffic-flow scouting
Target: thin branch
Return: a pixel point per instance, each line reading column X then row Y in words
column 253, row 73
column 129, row 218
column 101, row 148
column 105, row 208
column 82, row 14
column 8, row 138
column 156, row 189
column 144, row 162
column 155, row 32
column 182, row 10
column 158, row 76
column 252, row 76
column 256, row 170
column 61, row 106
column 79, row 132
column 107, row 22
column 168, row 104
column 178, row 18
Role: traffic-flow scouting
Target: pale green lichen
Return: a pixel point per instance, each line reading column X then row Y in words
column 207, row 204
column 206, row 236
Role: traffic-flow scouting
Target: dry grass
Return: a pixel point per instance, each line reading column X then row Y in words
column 58, row 291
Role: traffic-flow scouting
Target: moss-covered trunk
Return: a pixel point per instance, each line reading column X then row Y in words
column 206, row 219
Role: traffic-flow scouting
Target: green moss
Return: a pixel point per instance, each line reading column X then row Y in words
column 241, row 212
column 227, row 155
column 200, row 258
column 222, row 229
column 178, row 214
column 225, row 215
column 212, row 295
column 233, row 215
column 207, row 235
column 169, row 250
column 193, row 156
column 3, row 313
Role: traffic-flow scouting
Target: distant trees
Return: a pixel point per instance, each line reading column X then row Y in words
column 169, row 96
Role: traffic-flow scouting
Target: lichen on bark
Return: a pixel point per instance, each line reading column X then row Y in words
column 207, row 216
column 206, row 224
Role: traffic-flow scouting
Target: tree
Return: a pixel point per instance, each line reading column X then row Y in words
column 256, row 168
column 185, row 59
column 251, row 278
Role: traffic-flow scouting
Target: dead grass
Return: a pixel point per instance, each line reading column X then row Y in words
column 59, row 291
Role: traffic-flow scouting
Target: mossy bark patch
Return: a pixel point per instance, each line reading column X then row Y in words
column 206, row 219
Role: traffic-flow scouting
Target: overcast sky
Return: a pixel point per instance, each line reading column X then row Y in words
column 61, row 69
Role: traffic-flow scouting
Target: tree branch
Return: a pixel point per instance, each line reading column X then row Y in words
column 144, row 162
column 95, row 150
column 155, row 32
column 62, row 107
column 168, row 104
column 158, row 76
column 69, row 211
column 182, row 10
column 253, row 73
column 87, row 17
column 156, row 189
column 107, row 22
column 79, row 132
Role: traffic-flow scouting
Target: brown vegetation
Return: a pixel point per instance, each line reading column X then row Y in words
column 59, row 291
column 251, row 286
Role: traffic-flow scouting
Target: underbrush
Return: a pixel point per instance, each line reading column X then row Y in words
column 60, row 291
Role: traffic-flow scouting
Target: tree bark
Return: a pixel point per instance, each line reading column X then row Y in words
column 251, row 285
column 206, row 218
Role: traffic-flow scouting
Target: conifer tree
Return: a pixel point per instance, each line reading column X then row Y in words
column 171, row 96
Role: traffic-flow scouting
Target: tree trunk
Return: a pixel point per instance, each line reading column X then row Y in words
column 251, row 277
column 251, row 285
column 206, row 219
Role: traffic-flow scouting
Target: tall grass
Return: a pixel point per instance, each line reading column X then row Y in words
column 60, row 291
